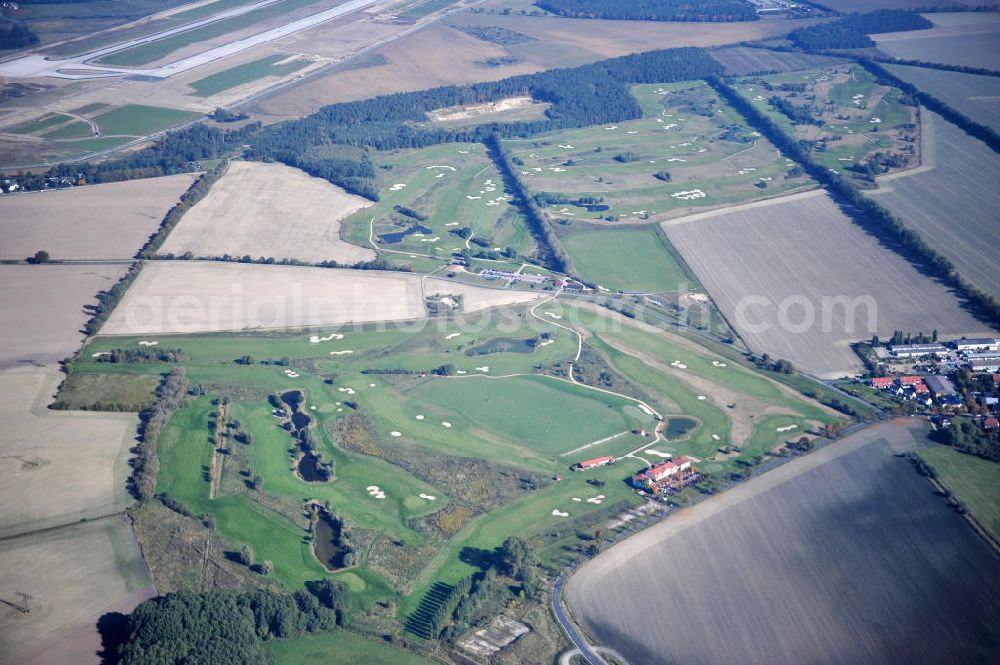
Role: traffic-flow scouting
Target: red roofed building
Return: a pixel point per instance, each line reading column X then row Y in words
column 594, row 463
column 658, row 472
column 883, row 382
column 920, row 388
column 909, row 380
column 991, row 423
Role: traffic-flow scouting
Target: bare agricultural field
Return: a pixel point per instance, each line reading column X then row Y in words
column 743, row 60
column 269, row 210
column 969, row 38
column 689, row 151
column 502, row 110
column 74, row 575
column 798, row 280
column 42, row 308
column 952, row 201
column 109, row 221
column 973, row 95
column 202, row 296
column 57, row 467
column 849, row 6
column 843, row 556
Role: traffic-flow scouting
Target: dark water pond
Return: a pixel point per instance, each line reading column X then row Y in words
column 397, row 237
column 678, row 427
column 294, row 399
column 598, row 207
column 329, row 546
column 311, row 468
column 504, row 345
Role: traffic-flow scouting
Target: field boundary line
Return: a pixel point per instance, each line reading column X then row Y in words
column 594, row 443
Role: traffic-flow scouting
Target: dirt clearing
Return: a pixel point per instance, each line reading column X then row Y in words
column 197, row 296
column 41, row 309
column 269, row 210
column 109, row 221
column 800, row 281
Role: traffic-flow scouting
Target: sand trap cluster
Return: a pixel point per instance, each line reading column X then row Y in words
column 349, row 391
column 678, row 364
column 428, row 497
column 559, row 513
column 396, row 187
column 717, row 363
column 375, row 491
column 146, row 342
column 689, row 195
column 786, row 428
column 291, row 374
column 597, row 500
column 316, row 339
column 484, row 368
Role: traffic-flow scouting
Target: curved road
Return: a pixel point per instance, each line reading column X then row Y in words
column 586, row 652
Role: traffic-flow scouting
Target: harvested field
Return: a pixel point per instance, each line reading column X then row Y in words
column 976, row 96
column 953, row 202
column 843, row 556
column 269, row 210
column 42, row 308
column 74, row 575
column 195, row 296
column 777, row 274
column 109, row 221
column 743, row 60
column 57, row 467
column 971, row 39
column 848, row 6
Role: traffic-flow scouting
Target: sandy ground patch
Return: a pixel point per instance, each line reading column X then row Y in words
column 109, row 221
column 269, row 210
column 201, row 296
column 41, row 308
column 801, row 281
column 74, row 575
column 57, row 467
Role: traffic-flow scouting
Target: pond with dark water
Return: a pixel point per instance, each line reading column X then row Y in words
column 397, row 237
column 679, row 427
column 328, row 543
column 504, row 345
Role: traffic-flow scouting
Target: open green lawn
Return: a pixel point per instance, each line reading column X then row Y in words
column 340, row 647
column 974, row 481
column 84, row 390
column 47, row 121
column 704, row 153
column 73, row 130
column 138, row 120
column 632, row 259
column 245, row 73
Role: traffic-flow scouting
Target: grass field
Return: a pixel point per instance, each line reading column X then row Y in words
column 973, row 481
column 139, row 120
column 454, row 186
column 744, row 60
column 633, row 259
column 609, row 173
column 847, row 545
column 247, row 73
column 340, row 648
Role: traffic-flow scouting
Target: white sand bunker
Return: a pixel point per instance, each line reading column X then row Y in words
column 553, row 315
column 371, row 385
column 786, row 428
column 676, row 159
column 678, row 364
column 547, row 342
column 452, row 224
column 576, row 498
column 645, row 409
column 452, row 335
column 689, row 194
column 420, row 416
column 716, row 437
column 395, row 433
column 375, row 491
column 450, row 168
column 398, row 186
column 100, row 353
column 597, row 499
column 146, row 342
column 658, row 453
column 445, row 423
column 349, row 391
column 484, row 368
column 702, row 398
column 716, row 363
column 559, row 513
column 291, row 374
column 428, row 497
column 316, row 339
column 341, row 353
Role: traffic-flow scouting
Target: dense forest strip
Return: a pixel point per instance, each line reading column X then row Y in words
column 852, row 31
column 977, row 130
column 550, row 250
column 864, row 211
column 653, row 10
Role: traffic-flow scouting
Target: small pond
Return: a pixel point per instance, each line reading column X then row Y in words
column 329, row 545
column 679, row 427
column 504, row 345
column 397, row 237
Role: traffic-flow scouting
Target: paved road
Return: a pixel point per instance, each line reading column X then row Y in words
column 586, row 652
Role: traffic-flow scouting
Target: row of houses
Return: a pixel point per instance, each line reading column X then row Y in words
column 512, row 276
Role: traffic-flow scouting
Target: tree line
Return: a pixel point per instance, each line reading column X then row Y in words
column 863, row 209
column 171, row 395
column 852, row 31
column 195, row 193
column 652, row 10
